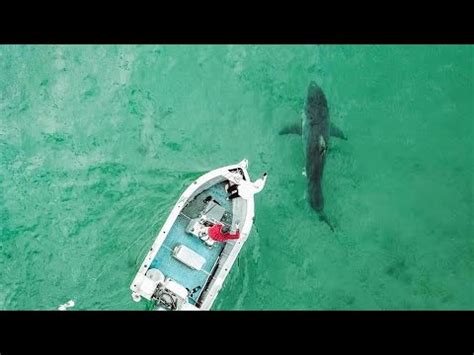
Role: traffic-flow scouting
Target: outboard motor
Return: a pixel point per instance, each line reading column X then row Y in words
column 169, row 294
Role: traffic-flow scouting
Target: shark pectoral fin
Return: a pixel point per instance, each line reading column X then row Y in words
column 294, row 128
column 336, row 132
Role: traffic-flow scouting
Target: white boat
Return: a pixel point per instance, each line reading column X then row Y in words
column 187, row 264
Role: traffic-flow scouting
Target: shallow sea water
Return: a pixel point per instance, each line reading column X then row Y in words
column 98, row 142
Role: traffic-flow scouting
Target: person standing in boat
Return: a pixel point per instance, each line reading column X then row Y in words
column 246, row 189
column 221, row 233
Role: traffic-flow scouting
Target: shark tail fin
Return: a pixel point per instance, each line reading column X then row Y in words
column 324, row 218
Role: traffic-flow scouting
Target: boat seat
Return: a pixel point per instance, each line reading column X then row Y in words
column 196, row 228
column 189, row 257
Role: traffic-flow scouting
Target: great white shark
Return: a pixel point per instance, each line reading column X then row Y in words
column 315, row 129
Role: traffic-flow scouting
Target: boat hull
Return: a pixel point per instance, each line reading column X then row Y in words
column 204, row 264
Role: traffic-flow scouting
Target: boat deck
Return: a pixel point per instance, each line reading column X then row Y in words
column 173, row 268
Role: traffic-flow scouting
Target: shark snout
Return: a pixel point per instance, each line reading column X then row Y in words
column 313, row 88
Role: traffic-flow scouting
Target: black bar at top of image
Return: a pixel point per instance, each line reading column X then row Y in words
column 391, row 24
column 230, row 37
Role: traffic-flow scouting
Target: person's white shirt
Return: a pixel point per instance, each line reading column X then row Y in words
column 247, row 189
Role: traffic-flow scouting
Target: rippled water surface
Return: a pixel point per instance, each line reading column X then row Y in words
column 98, row 142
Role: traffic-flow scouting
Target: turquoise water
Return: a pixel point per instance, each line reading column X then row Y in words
column 98, row 142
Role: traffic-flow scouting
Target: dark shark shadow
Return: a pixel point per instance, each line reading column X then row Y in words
column 315, row 128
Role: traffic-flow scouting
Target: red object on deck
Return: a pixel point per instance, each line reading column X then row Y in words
column 216, row 234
